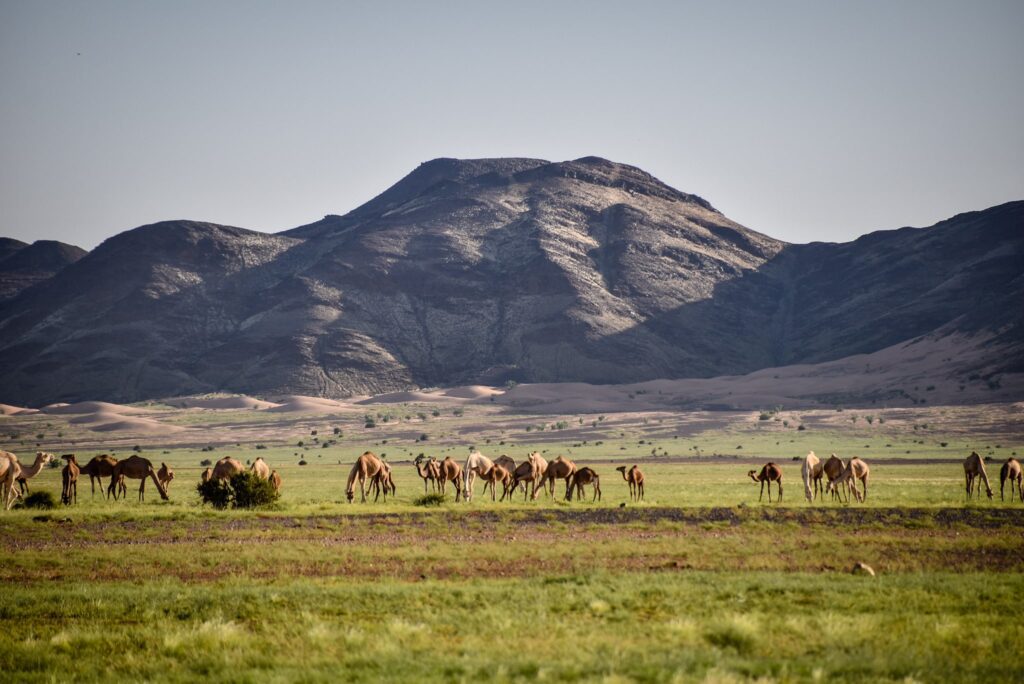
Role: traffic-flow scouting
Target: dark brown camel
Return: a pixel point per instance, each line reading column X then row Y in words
column 769, row 473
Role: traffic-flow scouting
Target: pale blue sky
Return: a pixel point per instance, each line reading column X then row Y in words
column 803, row 120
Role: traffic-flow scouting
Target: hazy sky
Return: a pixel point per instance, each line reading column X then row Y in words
column 804, row 120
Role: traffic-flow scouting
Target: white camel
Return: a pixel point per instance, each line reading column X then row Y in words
column 476, row 464
column 810, row 472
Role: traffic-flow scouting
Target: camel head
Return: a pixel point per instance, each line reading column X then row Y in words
column 350, row 494
column 43, row 457
column 753, row 475
column 70, row 458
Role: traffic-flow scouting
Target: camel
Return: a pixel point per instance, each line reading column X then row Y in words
column 260, row 468
column 811, row 473
column 582, row 477
column 226, row 468
column 97, row 468
column 383, row 481
column 206, row 475
column 42, row 458
column 165, row 475
column 69, row 480
column 365, row 468
column 10, row 469
column 429, row 472
column 559, row 469
column 506, row 462
column 974, row 468
column 833, row 468
column 634, row 477
column 524, row 475
column 540, row 466
column 275, row 480
column 1011, row 471
column 449, row 470
column 497, row 474
column 769, row 473
column 856, row 469
column 136, row 468
column 476, row 464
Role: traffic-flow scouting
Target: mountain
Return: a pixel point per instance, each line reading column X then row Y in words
column 23, row 265
column 483, row 271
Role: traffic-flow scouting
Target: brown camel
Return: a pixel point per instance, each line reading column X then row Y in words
column 226, row 468
column 524, row 475
column 383, row 482
column 974, row 467
column 495, row 476
column 97, row 468
column 69, row 480
column 833, row 468
column 506, row 462
column 365, row 468
column 275, row 480
column 10, row 469
column 165, row 475
column 450, row 471
column 27, row 473
column 582, row 477
column 769, row 473
column 260, row 468
column 559, row 469
column 634, row 477
column 1011, row 471
column 855, row 470
column 428, row 471
column 206, row 475
column 136, row 468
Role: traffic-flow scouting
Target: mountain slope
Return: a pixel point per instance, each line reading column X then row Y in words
column 23, row 265
column 490, row 270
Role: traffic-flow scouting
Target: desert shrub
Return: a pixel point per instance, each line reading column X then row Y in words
column 764, row 416
column 424, row 437
column 243, row 490
column 261, row 446
column 302, row 462
column 801, row 428
column 41, row 499
column 458, row 412
column 370, row 423
column 435, row 499
column 206, row 462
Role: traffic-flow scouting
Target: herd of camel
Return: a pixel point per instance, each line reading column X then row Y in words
column 532, row 476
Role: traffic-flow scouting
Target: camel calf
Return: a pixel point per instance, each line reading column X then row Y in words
column 165, row 475
column 582, row 477
column 69, row 480
column 275, row 480
column 769, row 473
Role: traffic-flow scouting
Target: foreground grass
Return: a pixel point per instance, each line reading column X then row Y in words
column 580, row 627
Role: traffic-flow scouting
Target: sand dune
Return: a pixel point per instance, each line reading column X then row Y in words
column 89, row 407
column 473, row 392
column 220, row 403
column 106, row 420
column 301, row 404
column 442, row 396
column 8, row 410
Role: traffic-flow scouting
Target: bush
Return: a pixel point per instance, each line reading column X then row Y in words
column 206, row 462
column 430, row 500
column 243, row 490
column 42, row 499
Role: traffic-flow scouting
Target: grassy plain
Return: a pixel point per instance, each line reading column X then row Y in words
column 699, row 583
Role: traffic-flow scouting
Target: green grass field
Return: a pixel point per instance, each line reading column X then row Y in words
column 701, row 582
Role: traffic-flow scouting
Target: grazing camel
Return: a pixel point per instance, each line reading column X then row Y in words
column 449, row 470
column 582, row 477
column 811, row 472
column 226, row 468
column 634, row 477
column 165, row 475
column 42, row 458
column 974, row 467
column 856, row 469
column 365, row 468
column 260, row 468
column 497, row 474
column 559, row 469
column 506, row 462
column 136, row 468
column 1011, row 471
column 476, row 465
column 833, row 468
column 275, row 480
column 769, row 473
column 97, row 468
column 206, row 475
column 10, row 469
column 69, row 480
column 426, row 471
column 524, row 475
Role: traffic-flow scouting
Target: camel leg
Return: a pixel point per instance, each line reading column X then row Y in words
column 762, row 493
column 142, row 490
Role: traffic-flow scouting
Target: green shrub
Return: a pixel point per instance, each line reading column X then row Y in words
column 41, row 499
column 243, row 490
column 430, row 500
